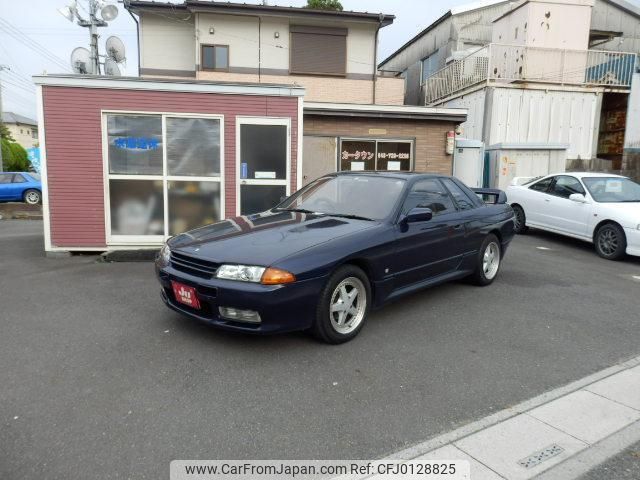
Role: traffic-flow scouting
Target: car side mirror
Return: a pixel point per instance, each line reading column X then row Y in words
column 419, row 214
column 577, row 197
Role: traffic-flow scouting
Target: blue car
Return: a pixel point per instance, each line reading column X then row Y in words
column 20, row 187
column 344, row 244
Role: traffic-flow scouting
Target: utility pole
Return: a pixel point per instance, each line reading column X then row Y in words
column 2, row 67
column 92, row 24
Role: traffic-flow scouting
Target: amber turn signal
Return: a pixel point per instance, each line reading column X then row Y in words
column 275, row 276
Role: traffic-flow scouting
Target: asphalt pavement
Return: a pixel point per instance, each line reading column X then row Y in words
column 100, row 380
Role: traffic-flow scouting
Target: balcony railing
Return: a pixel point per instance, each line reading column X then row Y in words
column 518, row 63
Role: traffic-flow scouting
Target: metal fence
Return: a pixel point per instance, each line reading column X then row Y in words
column 518, row 63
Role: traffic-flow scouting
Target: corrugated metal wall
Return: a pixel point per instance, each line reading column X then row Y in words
column 72, row 120
column 608, row 17
column 474, row 102
column 526, row 116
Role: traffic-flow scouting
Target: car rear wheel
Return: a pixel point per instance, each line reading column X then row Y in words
column 610, row 242
column 519, row 220
column 488, row 261
column 344, row 305
column 32, row 197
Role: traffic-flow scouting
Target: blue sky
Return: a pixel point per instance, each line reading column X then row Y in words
column 52, row 38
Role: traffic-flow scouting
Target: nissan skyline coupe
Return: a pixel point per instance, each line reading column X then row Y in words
column 341, row 246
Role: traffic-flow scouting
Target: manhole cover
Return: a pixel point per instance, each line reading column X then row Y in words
column 539, row 457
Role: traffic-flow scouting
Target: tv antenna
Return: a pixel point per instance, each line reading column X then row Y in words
column 107, row 12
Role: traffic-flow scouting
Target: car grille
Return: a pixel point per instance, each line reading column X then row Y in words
column 193, row 265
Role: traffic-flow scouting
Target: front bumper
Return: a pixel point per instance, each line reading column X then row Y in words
column 282, row 308
column 633, row 241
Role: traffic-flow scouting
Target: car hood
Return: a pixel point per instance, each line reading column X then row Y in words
column 264, row 238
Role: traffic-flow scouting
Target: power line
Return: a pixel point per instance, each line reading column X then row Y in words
column 32, row 44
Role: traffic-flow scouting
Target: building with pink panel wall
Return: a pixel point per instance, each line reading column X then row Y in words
column 128, row 162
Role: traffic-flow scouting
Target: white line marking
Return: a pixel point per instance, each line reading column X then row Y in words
column 543, row 248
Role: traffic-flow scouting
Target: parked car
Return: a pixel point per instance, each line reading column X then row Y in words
column 323, row 258
column 600, row 208
column 20, row 187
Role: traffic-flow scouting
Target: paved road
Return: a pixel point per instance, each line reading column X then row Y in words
column 624, row 466
column 98, row 379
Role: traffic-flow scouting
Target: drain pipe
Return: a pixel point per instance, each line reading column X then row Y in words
column 375, row 58
column 137, row 36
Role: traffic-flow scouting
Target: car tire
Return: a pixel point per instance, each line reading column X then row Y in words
column 610, row 241
column 333, row 323
column 32, row 196
column 488, row 261
column 519, row 220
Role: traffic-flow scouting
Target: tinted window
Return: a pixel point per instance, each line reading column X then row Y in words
column 542, row 185
column 460, row 196
column 565, row 186
column 215, row 57
column 429, row 194
column 5, row 177
column 18, row 179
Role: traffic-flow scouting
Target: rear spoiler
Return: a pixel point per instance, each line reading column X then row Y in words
column 496, row 195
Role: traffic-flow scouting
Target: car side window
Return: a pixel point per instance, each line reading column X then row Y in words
column 5, row 178
column 542, row 185
column 431, row 194
column 17, row 178
column 565, row 186
column 460, row 196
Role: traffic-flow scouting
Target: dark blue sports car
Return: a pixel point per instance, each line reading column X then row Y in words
column 327, row 255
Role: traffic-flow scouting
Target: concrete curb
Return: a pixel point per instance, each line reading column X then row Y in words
column 584, row 458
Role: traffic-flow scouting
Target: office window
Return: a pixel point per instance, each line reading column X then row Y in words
column 318, row 50
column 214, row 57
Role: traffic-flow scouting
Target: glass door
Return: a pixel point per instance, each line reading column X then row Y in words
column 263, row 154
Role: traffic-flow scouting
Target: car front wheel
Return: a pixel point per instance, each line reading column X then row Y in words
column 344, row 305
column 32, row 197
column 611, row 242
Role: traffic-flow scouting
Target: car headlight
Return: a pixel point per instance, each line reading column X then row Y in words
column 164, row 256
column 243, row 273
column 250, row 273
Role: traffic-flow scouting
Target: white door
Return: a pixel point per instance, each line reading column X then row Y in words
column 566, row 215
column 263, row 163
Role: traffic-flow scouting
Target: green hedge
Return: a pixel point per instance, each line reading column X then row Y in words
column 14, row 157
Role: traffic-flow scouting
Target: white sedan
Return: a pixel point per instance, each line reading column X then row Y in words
column 600, row 208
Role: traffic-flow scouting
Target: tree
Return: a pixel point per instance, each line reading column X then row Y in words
column 325, row 5
column 5, row 133
column 14, row 157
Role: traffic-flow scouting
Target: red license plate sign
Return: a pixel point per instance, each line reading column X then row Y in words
column 185, row 294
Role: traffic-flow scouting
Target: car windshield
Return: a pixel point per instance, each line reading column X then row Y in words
column 613, row 189
column 364, row 196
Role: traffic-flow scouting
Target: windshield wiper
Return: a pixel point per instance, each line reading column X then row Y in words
column 298, row 210
column 348, row 215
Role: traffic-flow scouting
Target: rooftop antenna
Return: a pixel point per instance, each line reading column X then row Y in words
column 107, row 12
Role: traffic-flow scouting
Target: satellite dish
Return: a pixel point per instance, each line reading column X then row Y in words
column 69, row 12
column 115, row 49
column 111, row 68
column 81, row 61
column 109, row 12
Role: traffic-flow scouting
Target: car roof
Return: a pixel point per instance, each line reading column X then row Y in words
column 392, row 174
column 587, row 174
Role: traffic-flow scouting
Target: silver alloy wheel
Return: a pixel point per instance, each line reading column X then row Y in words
column 32, row 198
column 491, row 260
column 348, row 305
column 608, row 241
